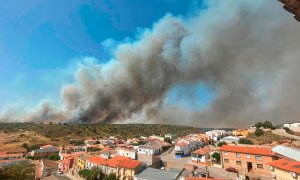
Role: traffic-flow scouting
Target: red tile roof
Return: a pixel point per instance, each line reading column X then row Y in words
column 129, row 164
column 97, row 160
column 291, row 166
column 46, row 146
column 11, row 155
column 112, row 162
column 248, row 150
column 182, row 144
column 202, row 151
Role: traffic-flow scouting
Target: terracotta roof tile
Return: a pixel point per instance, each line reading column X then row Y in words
column 182, row 144
column 291, row 166
column 202, row 151
column 112, row 162
column 129, row 164
column 97, row 160
column 248, row 150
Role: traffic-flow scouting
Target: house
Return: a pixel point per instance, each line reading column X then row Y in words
column 47, row 146
column 44, row 153
column 155, row 174
column 127, row 169
column 169, row 135
column 284, row 169
column 295, row 124
column 10, row 156
column 91, row 142
column 247, row 159
column 11, row 162
column 128, row 152
column 94, row 161
column 46, row 168
column 163, row 144
column 108, row 153
column 110, row 165
column 215, row 135
column 150, row 148
column 181, row 149
column 201, row 156
column 81, row 162
column 16, row 151
column 185, row 145
column 66, row 164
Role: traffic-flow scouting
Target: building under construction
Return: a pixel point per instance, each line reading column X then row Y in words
column 292, row 6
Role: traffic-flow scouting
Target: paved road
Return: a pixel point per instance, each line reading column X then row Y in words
column 281, row 132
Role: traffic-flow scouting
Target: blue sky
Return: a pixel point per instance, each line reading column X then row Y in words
column 41, row 41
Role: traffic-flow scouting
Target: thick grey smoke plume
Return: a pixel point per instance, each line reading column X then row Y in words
column 247, row 52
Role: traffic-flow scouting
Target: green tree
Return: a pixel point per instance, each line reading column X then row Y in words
column 19, row 171
column 216, row 156
column 54, row 157
column 220, row 144
column 258, row 125
column 259, row 132
column 96, row 174
column 267, row 124
column 111, row 176
column 168, row 140
column 84, row 173
column 245, row 141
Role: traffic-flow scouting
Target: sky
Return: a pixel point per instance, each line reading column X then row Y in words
column 195, row 62
column 41, row 43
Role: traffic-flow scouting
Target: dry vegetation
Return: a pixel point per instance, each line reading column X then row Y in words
column 266, row 138
column 15, row 134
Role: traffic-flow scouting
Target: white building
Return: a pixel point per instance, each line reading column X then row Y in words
column 215, row 135
column 131, row 153
column 150, row 149
column 296, row 124
column 186, row 145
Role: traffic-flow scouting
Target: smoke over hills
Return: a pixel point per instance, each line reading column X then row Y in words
column 246, row 51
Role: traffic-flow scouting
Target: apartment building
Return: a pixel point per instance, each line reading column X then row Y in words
column 247, row 159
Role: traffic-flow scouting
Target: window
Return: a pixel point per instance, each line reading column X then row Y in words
column 226, row 160
column 259, row 166
column 238, row 155
column 225, row 153
column 248, row 156
column 238, row 163
column 258, row 157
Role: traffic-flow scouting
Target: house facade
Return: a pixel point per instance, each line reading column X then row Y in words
column 127, row 169
column 284, row 169
column 247, row 159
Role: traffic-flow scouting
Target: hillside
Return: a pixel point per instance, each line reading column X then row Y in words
column 15, row 134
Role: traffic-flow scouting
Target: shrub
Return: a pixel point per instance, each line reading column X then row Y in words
column 258, row 132
column 245, row 141
column 220, row 144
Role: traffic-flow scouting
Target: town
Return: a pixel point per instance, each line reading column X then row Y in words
column 214, row 154
column 150, row 90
